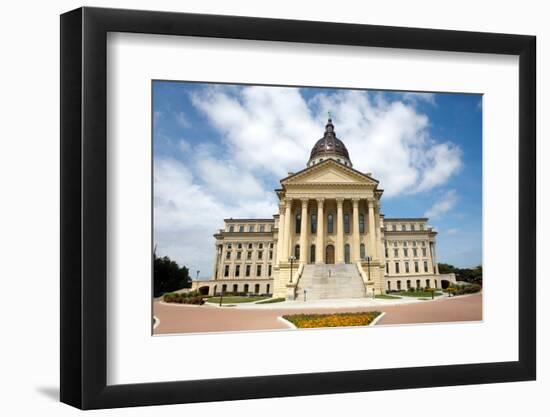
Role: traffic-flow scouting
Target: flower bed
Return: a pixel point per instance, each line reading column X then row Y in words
column 308, row 321
column 183, row 298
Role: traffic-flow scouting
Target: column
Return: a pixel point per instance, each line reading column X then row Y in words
column 372, row 232
column 281, row 234
column 434, row 260
column 286, row 232
column 303, row 233
column 340, row 231
column 320, row 241
column 355, row 237
column 378, row 239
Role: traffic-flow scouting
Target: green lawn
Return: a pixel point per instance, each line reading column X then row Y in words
column 418, row 294
column 387, row 297
column 230, row 299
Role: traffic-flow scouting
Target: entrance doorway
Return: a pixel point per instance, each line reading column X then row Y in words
column 329, row 256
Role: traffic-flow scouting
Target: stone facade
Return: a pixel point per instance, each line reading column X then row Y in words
column 329, row 213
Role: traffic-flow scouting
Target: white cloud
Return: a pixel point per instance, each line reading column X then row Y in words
column 272, row 130
column 414, row 98
column 443, row 205
column 182, row 120
column 452, row 231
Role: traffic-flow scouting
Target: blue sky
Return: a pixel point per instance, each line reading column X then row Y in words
column 220, row 150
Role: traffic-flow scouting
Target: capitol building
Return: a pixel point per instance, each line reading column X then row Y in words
column 329, row 239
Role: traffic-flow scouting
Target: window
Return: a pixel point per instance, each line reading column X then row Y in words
column 413, row 227
column 261, row 246
column 231, row 229
column 423, row 243
column 416, row 267
column 268, row 274
column 239, row 255
column 240, row 246
column 258, row 270
column 421, row 227
column 270, row 255
column 251, row 228
column 312, row 254
column 387, row 268
column 330, row 223
column 245, row 287
column 394, row 244
column 247, row 271
column 425, row 266
column 403, row 227
column 298, row 223
column 267, row 289
column 405, row 244
column 396, row 253
column 228, row 255
column 408, row 283
column 313, row 223
column 241, row 229
column 235, row 288
column 346, row 223
column 415, row 252
column 249, row 255
column 428, row 283
column 257, row 289
column 271, row 246
column 346, row 253
column 297, row 252
column 224, row 288
column 262, row 228
column 260, row 254
column 361, row 223
column 405, row 252
column 394, row 227
column 237, row 270
column 226, row 271
column 417, row 283
column 386, row 253
column 362, row 251
column 406, row 267
column 398, row 285
column 229, row 246
column 250, row 246
column 397, row 267
column 424, row 252
column 414, row 243
column 389, row 286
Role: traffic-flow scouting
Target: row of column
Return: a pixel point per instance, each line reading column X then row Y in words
column 284, row 245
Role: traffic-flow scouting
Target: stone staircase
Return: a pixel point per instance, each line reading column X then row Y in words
column 330, row 281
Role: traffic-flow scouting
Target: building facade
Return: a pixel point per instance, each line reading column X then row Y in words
column 329, row 238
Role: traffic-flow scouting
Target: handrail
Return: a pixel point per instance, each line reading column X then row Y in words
column 298, row 275
column 364, row 277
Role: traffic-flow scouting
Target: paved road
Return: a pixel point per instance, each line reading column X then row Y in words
column 178, row 318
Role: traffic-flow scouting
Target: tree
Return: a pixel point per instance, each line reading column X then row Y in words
column 471, row 275
column 169, row 276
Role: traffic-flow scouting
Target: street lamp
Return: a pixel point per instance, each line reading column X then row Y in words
column 291, row 259
column 368, row 266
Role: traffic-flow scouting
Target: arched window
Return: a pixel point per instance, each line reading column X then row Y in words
column 361, row 223
column 346, row 253
column 298, row 225
column 297, row 251
column 312, row 254
column 362, row 251
column 330, row 223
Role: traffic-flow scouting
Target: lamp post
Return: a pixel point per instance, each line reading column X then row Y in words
column 291, row 260
column 368, row 266
column 198, row 272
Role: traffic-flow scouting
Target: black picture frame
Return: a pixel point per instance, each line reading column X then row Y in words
column 84, row 207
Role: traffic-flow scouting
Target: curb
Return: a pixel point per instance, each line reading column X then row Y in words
column 286, row 322
column 377, row 319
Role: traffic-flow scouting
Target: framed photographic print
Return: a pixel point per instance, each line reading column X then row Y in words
column 238, row 191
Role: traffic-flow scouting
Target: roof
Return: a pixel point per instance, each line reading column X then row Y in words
column 405, row 219
column 249, row 220
column 330, row 161
column 329, row 144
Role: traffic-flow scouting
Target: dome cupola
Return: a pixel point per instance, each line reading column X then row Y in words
column 329, row 147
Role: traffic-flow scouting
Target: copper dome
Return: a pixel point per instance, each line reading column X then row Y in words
column 329, row 145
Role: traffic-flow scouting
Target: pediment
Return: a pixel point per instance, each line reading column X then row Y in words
column 329, row 172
